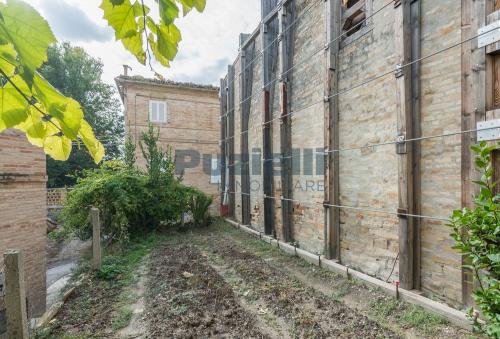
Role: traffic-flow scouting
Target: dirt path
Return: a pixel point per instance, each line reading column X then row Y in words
column 221, row 283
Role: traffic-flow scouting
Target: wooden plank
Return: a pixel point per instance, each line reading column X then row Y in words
column 359, row 6
column 286, row 17
column 246, row 79
column 496, row 170
column 267, row 37
column 230, row 135
column 473, row 109
column 415, row 12
column 331, row 137
column 223, row 136
column 404, row 111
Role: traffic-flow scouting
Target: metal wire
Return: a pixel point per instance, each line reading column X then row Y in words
column 286, row 29
column 308, row 59
column 348, row 207
column 370, row 80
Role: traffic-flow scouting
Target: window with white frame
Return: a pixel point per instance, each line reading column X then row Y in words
column 158, row 111
column 215, row 171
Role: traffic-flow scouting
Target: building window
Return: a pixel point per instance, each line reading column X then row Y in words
column 215, row 171
column 158, row 111
column 354, row 14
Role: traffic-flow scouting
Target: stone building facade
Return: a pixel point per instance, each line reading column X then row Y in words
column 23, row 208
column 346, row 136
column 187, row 117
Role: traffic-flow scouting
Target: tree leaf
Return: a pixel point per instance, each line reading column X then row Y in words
column 8, row 62
column 95, row 148
column 168, row 11
column 122, row 18
column 168, row 40
column 66, row 110
column 134, row 45
column 29, row 34
column 58, row 147
column 13, row 106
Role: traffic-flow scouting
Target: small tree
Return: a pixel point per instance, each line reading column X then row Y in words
column 477, row 235
column 159, row 163
column 129, row 152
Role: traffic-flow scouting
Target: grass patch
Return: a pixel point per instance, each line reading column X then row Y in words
column 122, row 319
column 407, row 315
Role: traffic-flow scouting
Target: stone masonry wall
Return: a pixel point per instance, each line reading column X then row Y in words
column 367, row 115
column 24, row 211
column 441, row 157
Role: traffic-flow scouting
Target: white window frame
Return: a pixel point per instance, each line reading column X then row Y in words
column 154, row 116
column 215, row 175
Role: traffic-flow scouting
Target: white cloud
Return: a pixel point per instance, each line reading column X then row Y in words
column 210, row 39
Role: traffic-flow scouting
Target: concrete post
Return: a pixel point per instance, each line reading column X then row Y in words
column 15, row 296
column 96, row 238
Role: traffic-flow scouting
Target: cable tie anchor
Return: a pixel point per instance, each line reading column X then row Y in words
column 399, row 71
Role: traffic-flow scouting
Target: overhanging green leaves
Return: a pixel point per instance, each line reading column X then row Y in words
column 29, row 34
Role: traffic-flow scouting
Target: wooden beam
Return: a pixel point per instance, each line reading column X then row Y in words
column 230, row 136
column 359, row 6
column 223, row 136
column 246, row 79
column 286, row 34
column 405, row 150
column 495, row 159
column 331, row 137
column 415, row 12
column 268, row 47
column 473, row 109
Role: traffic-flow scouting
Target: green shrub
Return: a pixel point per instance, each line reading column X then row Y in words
column 477, row 235
column 199, row 205
column 111, row 268
column 131, row 201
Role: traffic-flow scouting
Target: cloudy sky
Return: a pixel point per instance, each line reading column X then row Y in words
column 210, row 39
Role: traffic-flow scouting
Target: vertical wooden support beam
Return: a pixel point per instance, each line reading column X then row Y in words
column 15, row 297
column 267, row 38
column 331, row 118
column 415, row 12
column 230, row 140
column 405, row 150
column 223, row 141
column 286, row 36
column 473, row 109
column 246, row 75
column 96, row 238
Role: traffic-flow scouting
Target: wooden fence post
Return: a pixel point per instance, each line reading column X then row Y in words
column 96, row 238
column 15, row 297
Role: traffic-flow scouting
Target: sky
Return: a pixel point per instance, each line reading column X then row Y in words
column 210, row 39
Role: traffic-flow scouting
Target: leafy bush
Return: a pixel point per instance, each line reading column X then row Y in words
column 111, row 268
column 132, row 201
column 477, row 235
column 199, row 205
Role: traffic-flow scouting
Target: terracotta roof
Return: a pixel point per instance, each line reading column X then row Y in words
column 171, row 83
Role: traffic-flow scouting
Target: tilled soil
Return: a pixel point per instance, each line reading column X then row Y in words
column 305, row 312
column 87, row 313
column 187, row 298
column 236, row 294
column 221, row 283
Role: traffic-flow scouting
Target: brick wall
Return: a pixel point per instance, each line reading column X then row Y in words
column 192, row 125
column 23, row 202
column 367, row 115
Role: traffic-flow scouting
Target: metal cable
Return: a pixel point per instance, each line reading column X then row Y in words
column 312, row 55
